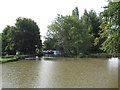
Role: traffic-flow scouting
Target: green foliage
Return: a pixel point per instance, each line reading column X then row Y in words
column 0, row 44
column 27, row 35
column 111, row 28
column 0, row 36
column 75, row 12
column 8, row 40
column 50, row 44
column 72, row 35
column 22, row 37
column 91, row 23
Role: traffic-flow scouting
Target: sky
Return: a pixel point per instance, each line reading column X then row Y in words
column 43, row 12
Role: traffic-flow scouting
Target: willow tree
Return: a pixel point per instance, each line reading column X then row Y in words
column 111, row 28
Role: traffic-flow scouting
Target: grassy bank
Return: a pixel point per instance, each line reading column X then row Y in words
column 9, row 58
column 97, row 55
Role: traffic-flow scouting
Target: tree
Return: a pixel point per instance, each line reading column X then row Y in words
column 92, row 22
column 8, row 40
column 111, row 28
column 50, row 44
column 27, row 35
column 71, row 36
column 0, row 44
column 23, row 37
column 76, row 35
column 75, row 12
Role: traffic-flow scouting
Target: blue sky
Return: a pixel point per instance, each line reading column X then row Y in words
column 43, row 12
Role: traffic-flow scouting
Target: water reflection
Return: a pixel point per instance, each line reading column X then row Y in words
column 113, row 63
column 46, row 70
column 61, row 73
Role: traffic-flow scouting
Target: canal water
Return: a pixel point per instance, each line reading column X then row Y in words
column 61, row 73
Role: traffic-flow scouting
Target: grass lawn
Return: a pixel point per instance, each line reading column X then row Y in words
column 8, row 59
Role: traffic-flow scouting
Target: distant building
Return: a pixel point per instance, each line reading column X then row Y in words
column 17, row 53
column 56, row 52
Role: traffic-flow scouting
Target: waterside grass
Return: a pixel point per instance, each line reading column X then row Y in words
column 7, row 59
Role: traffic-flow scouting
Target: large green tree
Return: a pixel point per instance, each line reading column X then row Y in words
column 23, row 37
column 75, row 35
column 72, row 38
column 27, row 35
column 111, row 28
